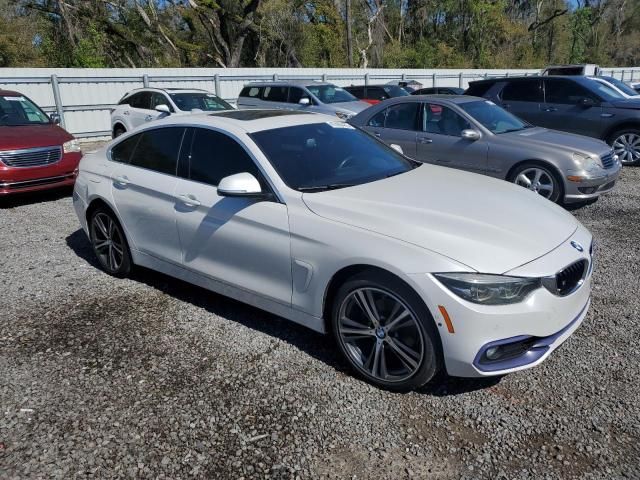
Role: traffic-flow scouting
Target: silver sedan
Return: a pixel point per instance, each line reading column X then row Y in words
column 476, row 135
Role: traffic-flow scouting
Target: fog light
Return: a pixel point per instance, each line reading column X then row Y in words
column 587, row 190
column 492, row 353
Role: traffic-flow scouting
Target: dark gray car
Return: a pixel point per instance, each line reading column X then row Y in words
column 573, row 104
column 474, row 134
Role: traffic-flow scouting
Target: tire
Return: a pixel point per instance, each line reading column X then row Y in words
column 109, row 243
column 626, row 144
column 541, row 178
column 399, row 355
column 119, row 130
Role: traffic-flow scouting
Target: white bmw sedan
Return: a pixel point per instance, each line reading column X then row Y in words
column 414, row 269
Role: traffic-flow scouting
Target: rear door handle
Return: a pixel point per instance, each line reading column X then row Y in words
column 424, row 140
column 189, row 200
column 122, row 180
column 148, row 118
column 126, row 112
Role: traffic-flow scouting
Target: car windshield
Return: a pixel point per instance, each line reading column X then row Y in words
column 18, row 110
column 324, row 156
column 493, row 117
column 606, row 91
column 202, row 101
column 621, row 86
column 331, row 94
column 395, row 91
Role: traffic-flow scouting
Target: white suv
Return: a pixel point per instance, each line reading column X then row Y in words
column 146, row 104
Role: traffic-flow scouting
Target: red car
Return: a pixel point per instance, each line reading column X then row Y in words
column 35, row 153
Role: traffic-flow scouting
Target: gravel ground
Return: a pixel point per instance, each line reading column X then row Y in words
column 150, row 377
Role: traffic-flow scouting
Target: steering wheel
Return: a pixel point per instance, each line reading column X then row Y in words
column 344, row 163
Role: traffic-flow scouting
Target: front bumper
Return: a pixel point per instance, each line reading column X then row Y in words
column 542, row 322
column 593, row 186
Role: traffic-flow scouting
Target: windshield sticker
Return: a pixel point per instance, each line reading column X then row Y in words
column 340, row 125
column 15, row 99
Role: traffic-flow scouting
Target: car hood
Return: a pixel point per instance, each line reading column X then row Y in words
column 351, row 107
column 556, row 140
column 32, row 136
column 489, row 225
column 632, row 103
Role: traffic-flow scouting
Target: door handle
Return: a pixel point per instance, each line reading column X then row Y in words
column 424, row 140
column 148, row 118
column 122, row 180
column 126, row 112
column 550, row 109
column 189, row 200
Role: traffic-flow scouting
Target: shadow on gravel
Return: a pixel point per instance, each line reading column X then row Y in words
column 22, row 199
column 317, row 345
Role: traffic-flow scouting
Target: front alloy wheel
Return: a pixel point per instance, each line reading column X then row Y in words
column 381, row 334
column 538, row 179
column 626, row 145
column 109, row 244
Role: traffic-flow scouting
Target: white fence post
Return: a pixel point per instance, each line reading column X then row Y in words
column 216, row 82
column 145, row 80
column 57, row 99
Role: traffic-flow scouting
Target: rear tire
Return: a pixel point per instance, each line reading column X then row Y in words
column 109, row 243
column 626, row 144
column 385, row 332
column 539, row 178
column 119, row 130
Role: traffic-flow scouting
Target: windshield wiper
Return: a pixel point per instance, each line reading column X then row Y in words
column 322, row 188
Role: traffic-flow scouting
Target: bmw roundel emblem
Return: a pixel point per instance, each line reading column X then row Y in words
column 577, row 246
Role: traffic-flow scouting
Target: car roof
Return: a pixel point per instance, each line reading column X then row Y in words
column 9, row 93
column 248, row 120
column 576, row 78
column 166, row 90
column 285, row 83
column 455, row 99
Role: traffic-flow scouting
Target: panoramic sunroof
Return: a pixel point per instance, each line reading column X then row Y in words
column 255, row 114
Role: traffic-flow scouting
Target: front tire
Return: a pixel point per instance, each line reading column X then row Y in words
column 540, row 179
column 109, row 243
column 385, row 332
column 626, row 144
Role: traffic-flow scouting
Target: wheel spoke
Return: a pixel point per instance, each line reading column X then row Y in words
column 404, row 357
column 546, row 188
column 356, row 333
column 538, row 175
column 523, row 179
column 101, row 245
column 399, row 321
column 369, row 309
column 101, row 226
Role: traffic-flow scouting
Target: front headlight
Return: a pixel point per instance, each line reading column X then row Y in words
column 344, row 116
column 486, row 289
column 71, row 146
column 587, row 162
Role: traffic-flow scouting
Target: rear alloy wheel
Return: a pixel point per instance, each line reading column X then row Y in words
column 626, row 145
column 118, row 131
column 538, row 179
column 383, row 331
column 109, row 243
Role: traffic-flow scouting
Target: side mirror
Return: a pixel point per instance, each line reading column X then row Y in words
column 587, row 103
column 397, row 148
column 55, row 118
column 304, row 101
column 163, row 109
column 239, row 185
column 470, row 134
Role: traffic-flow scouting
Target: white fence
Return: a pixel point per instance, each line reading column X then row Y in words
column 83, row 97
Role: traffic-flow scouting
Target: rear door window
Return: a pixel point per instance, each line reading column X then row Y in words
column 123, row 150
column 523, row 91
column 376, row 93
column 158, row 149
column 275, row 94
column 251, row 92
column 478, row 89
column 141, row 100
column 403, row 116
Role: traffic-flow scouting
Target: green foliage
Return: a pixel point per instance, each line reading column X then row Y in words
column 313, row 33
